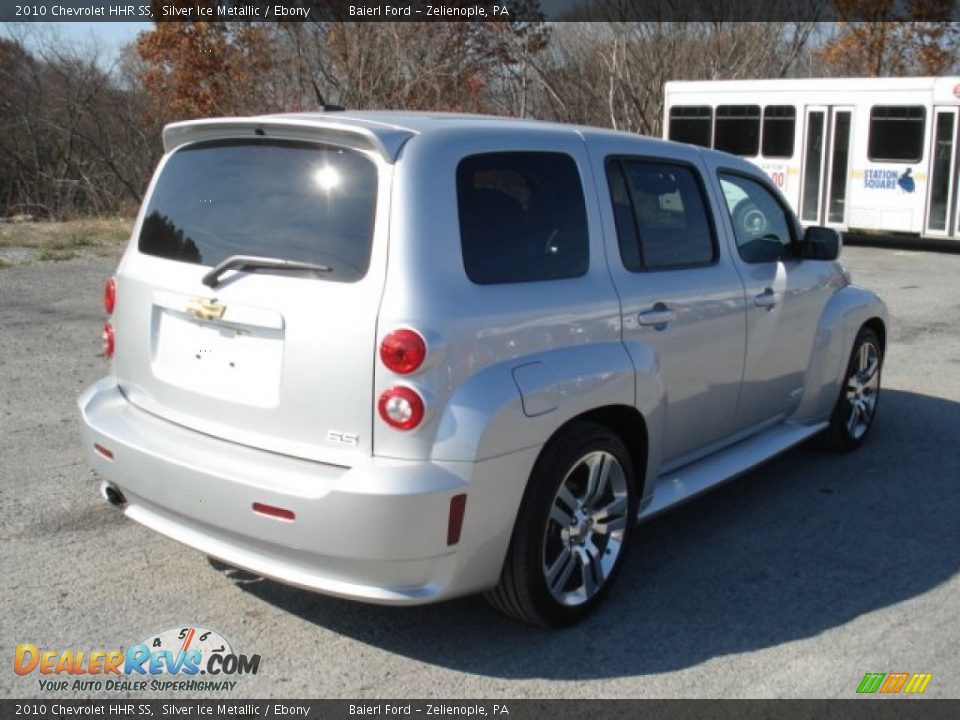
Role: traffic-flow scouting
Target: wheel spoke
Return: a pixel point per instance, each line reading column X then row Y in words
column 596, row 481
column 567, row 497
column 854, row 416
column 871, row 371
column 587, row 567
column 612, row 518
column 595, row 556
column 560, row 516
column 864, row 356
column 559, row 572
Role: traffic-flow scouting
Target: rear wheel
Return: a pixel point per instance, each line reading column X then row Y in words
column 857, row 405
column 572, row 529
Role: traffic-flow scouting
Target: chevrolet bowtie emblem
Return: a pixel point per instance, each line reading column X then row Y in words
column 204, row 309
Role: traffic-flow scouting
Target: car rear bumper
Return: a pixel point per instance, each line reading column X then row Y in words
column 376, row 532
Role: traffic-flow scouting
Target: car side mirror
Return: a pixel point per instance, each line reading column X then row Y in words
column 820, row 243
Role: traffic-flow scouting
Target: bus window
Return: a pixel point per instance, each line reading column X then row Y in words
column 738, row 129
column 896, row 133
column 779, row 125
column 691, row 124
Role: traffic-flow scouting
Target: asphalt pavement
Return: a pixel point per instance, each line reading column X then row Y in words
column 792, row 581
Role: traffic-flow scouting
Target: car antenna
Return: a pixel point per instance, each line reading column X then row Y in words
column 324, row 105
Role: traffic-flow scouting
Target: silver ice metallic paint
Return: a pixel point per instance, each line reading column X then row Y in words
column 724, row 366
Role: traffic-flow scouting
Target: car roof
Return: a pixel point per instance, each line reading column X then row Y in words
column 386, row 130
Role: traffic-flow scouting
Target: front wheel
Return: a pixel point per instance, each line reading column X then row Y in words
column 572, row 529
column 857, row 405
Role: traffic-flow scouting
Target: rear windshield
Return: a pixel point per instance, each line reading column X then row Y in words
column 270, row 198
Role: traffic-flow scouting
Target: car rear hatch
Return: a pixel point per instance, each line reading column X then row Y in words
column 247, row 304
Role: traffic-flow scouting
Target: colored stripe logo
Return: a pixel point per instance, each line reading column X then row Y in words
column 893, row 683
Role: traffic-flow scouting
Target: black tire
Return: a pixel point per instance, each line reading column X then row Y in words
column 538, row 537
column 845, row 433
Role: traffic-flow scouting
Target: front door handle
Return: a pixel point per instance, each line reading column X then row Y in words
column 767, row 299
column 658, row 316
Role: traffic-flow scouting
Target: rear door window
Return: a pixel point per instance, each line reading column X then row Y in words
column 522, row 217
column 267, row 198
column 661, row 215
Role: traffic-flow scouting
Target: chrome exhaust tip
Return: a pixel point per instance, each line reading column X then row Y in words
column 112, row 495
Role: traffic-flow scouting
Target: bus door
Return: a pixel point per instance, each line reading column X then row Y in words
column 825, row 169
column 942, row 188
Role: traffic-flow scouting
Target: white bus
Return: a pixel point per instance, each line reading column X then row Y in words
column 857, row 154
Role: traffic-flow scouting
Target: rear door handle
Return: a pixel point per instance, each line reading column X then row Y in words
column 767, row 299
column 658, row 316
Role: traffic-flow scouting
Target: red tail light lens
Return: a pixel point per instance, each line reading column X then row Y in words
column 401, row 408
column 108, row 340
column 110, row 295
column 403, row 351
column 458, row 505
column 273, row 511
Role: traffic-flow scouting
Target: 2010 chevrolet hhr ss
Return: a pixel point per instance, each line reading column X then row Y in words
column 404, row 357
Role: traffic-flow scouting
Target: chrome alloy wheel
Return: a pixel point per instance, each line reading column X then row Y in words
column 584, row 533
column 863, row 385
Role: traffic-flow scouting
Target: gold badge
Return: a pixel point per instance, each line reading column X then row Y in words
column 204, row 309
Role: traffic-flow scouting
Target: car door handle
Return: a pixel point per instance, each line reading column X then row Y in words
column 767, row 299
column 658, row 316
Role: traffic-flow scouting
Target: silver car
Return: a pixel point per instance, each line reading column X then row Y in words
column 403, row 357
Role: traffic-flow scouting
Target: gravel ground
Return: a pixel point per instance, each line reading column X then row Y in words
column 792, row 581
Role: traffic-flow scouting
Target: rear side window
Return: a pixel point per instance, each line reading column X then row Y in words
column 522, row 217
column 896, row 133
column 269, row 198
column 660, row 214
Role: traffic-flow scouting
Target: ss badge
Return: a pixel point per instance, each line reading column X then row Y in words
column 344, row 438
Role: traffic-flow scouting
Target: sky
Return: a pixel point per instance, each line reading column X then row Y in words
column 111, row 35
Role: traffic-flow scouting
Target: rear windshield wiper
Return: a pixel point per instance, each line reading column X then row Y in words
column 252, row 262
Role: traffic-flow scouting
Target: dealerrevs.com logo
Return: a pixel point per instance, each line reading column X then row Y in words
column 170, row 660
column 894, row 683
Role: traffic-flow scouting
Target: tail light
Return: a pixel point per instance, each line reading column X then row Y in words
column 403, row 351
column 109, row 303
column 273, row 511
column 109, row 295
column 108, row 340
column 401, row 407
column 458, row 505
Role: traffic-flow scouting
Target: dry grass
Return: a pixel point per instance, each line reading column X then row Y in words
column 56, row 241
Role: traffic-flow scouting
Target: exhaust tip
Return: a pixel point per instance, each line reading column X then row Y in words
column 113, row 496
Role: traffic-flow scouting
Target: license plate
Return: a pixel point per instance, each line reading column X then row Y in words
column 236, row 363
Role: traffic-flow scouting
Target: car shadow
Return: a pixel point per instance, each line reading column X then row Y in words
column 804, row 544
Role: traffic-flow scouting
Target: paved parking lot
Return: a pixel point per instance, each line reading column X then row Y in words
column 792, row 581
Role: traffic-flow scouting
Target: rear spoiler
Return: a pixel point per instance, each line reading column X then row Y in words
column 385, row 140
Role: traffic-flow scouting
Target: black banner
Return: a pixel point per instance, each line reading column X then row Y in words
column 473, row 10
column 861, row 709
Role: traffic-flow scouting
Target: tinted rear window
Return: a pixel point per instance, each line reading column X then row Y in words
column 269, row 198
column 522, row 217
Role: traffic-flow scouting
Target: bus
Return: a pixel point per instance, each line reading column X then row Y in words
column 876, row 155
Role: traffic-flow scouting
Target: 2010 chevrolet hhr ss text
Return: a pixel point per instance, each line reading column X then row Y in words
column 404, row 357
